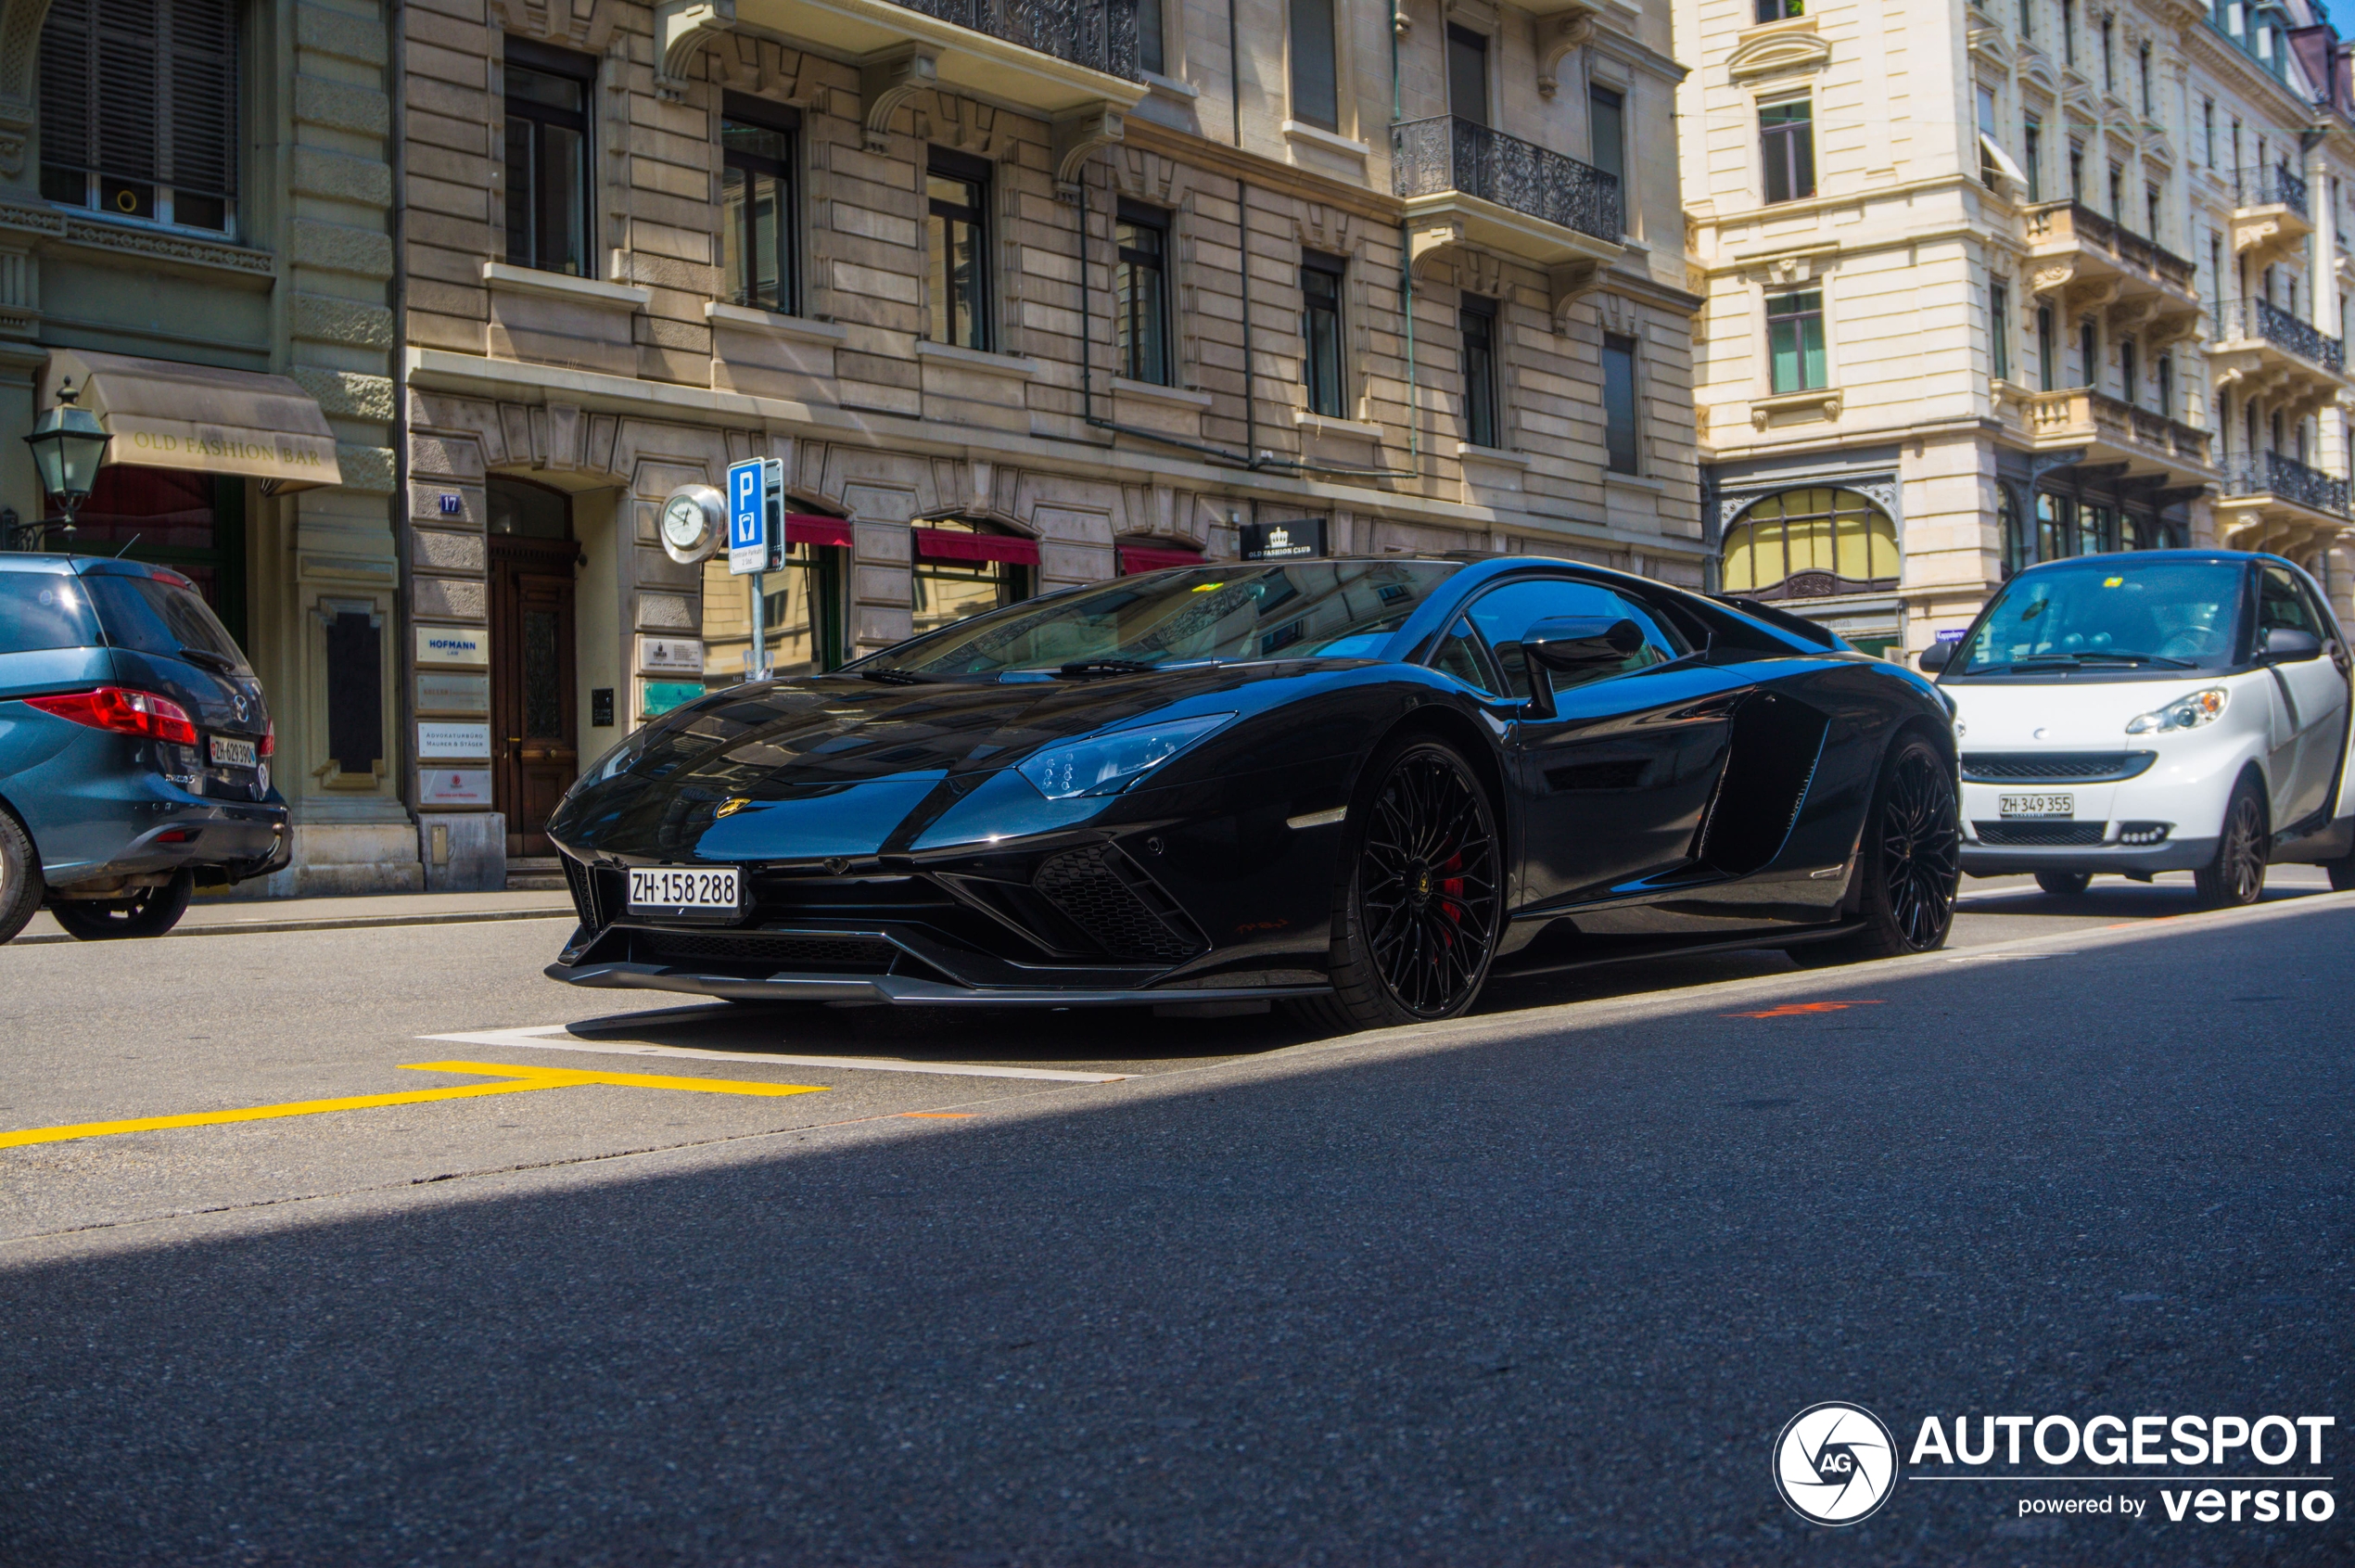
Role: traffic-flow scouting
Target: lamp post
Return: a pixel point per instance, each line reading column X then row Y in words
column 67, row 444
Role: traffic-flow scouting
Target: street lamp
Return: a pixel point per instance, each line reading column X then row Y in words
column 67, row 444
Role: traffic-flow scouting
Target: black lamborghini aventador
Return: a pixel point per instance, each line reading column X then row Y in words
column 1362, row 787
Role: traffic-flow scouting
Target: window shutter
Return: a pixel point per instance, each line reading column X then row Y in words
column 126, row 98
column 201, row 84
column 68, row 94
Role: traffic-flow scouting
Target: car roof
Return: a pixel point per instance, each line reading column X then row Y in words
column 64, row 561
column 2217, row 555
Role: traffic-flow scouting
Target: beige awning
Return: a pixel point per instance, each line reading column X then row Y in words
column 164, row 415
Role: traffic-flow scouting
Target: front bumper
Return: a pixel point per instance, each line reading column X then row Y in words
column 2136, row 860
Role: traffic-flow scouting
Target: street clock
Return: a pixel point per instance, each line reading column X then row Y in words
column 695, row 521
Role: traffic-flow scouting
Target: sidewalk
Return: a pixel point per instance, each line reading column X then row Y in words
column 209, row 917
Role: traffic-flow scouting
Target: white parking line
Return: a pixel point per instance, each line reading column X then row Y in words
column 537, row 1039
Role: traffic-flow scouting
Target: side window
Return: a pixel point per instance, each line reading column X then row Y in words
column 1459, row 656
column 1505, row 616
column 2280, row 604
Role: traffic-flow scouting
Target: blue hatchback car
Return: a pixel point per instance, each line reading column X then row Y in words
column 135, row 749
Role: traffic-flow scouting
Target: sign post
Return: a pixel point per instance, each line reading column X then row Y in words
column 756, row 527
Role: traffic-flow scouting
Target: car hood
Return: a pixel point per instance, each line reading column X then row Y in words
column 2025, row 715
column 840, row 765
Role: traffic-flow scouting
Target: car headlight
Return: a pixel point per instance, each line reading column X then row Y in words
column 1108, row 764
column 2183, row 713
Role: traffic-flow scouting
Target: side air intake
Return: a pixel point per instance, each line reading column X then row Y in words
column 1104, row 894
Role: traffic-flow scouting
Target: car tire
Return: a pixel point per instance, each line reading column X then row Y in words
column 20, row 887
column 2342, row 873
column 1417, row 895
column 1909, row 863
column 2235, row 877
column 150, row 913
column 2064, row 884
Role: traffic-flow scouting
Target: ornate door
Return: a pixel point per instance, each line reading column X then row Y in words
column 534, row 739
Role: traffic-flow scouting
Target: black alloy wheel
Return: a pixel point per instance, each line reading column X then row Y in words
column 1910, row 859
column 151, row 912
column 1419, row 895
column 2064, row 884
column 2236, row 876
column 20, row 889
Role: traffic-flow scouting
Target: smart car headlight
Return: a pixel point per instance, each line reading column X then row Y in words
column 1109, row 764
column 2202, row 707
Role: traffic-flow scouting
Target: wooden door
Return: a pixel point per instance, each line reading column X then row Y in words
column 534, row 738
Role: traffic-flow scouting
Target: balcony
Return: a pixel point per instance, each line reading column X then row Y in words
column 2264, row 352
column 1073, row 61
column 2274, row 502
column 1465, row 184
column 2135, row 442
column 2271, row 214
column 2088, row 260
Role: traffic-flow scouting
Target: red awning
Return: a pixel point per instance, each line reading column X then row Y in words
column 807, row 528
column 1153, row 557
column 945, row 544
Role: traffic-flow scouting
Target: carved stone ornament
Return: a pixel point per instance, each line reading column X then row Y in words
column 1080, row 132
column 1779, row 53
column 682, row 29
column 1566, row 284
column 1556, row 37
column 890, row 78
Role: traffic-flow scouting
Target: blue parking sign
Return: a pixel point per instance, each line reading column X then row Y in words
column 748, row 518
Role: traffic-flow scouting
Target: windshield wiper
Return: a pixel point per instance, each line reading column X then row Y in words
column 1081, row 668
column 206, row 658
column 2075, row 661
column 902, row 677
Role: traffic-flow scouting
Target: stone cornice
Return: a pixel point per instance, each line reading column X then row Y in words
column 157, row 245
column 1262, row 171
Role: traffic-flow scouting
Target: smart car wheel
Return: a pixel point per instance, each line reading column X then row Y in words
column 1909, row 863
column 2064, row 884
column 2236, row 875
column 151, row 911
column 19, row 876
column 1418, row 897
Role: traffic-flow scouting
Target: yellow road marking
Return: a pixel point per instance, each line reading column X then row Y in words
column 517, row 1080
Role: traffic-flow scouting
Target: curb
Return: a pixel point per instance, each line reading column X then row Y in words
column 345, row 923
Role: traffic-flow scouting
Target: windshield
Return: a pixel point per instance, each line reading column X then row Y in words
column 2111, row 612
column 157, row 617
column 1327, row 609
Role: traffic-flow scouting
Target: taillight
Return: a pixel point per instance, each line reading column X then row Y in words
column 269, row 738
column 123, row 711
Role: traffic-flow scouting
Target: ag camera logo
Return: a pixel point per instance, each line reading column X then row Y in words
column 1835, row 1463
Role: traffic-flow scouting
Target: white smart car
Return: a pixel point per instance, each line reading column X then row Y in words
column 2154, row 710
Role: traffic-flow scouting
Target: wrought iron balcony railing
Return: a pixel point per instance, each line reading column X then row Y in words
column 2284, row 331
column 1099, row 34
column 1431, row 156
column 2269, row 473
column 2272, row 188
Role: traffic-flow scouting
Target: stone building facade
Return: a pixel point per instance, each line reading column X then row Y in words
column 1994, row 281
column 195, row 201
column 1019, row 296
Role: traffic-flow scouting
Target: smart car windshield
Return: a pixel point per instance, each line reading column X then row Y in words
column 1329, row 609
column 2111, row 612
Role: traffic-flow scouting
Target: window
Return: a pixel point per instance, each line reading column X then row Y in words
column 2207, row 131
column 1833, row 541
column 2047, row 370
column 139, row 110
column 1987, row 170
column 962, row 569
column 2056, row 525
column 2117, row 193
column 2130, row 372
column 2110, row 59
column 1151, row 43
column 1776, row 10
column 2150, row 210
column 756, row 203
column 1795, row 340
column 2019, row 550
column 1477, row 319
column 1506, row 616
column 2076, row 172
column 1607, row 131
column 1460, row 655
column 2027, row 19
column 2166, row 368
column 2279, row 604
column 1999, row 329
column 2215, row 274
column 956, row 248
column 1141, row 293
column 2069, row 32
column 2088, row 355
column 2032, row 142
column 192, row 522
column 2096, row 529
column 801, row 616
column 1316, row 93
column 1320, row 331
column 2142, row 64
column 1622, row 452
column 1466, row 74
column 1787, row 139
column 547, row 187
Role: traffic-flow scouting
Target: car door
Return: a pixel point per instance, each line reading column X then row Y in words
column 2312, row 693
column 1614, row 781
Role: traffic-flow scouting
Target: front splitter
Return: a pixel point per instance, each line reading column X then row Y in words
column 899, row 990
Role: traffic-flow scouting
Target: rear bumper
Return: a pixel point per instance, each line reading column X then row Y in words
column 242, row 839
column 2176, row 854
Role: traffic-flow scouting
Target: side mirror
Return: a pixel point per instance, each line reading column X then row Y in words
column 1570, row 643
column 1938, row 656
column 2287, row 644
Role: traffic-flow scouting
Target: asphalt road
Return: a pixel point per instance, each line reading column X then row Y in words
column 1539, row 1286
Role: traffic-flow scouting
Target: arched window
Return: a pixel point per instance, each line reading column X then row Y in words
column 962, row 569
column 1808, row 543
